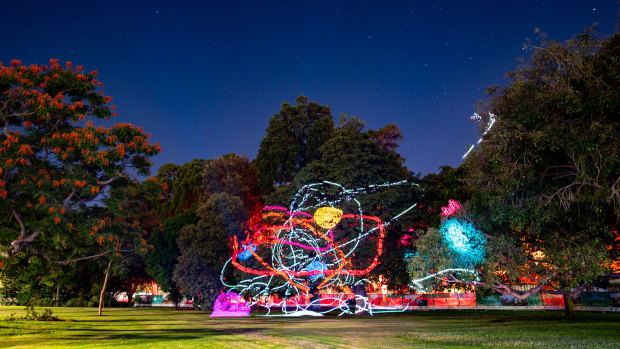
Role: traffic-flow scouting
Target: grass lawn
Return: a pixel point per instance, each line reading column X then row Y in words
column 166, row 328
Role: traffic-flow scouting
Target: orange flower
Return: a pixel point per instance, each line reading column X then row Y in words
column 28, row 204
column 52, row 209
column 56, row 220
column 42, row 199
column 62, row 210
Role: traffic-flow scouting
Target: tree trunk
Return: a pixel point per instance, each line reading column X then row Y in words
column 105, row 284
column 569, row 306
column 57, row 294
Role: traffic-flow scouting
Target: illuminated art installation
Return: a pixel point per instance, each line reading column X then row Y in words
column 465, row 242
column 310, row 246
column 230, row 304
column 476, row 116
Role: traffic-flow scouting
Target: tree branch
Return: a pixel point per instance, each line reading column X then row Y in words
column 106, row 182
column 68, row 198
column 68, row 261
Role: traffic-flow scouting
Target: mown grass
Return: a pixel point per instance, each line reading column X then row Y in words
column 166, row 328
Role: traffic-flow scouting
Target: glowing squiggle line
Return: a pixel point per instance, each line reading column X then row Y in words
column 418, row 284
column 292, row 264
column 489, row 125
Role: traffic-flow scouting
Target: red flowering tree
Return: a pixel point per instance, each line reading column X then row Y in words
column 58, row 170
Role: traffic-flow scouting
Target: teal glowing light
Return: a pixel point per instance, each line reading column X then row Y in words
column 465, row 241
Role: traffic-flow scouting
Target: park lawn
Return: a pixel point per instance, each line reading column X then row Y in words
column 166, row 328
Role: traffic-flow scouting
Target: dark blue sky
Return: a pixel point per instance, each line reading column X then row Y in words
column 205, row 77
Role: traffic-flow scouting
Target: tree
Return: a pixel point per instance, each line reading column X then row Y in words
column 353, row 159
column 182, row 188
column 57, row 168
column 162, row 259
column 356, row 158
column 293, row 138
column 547, row 175
column 205, row 246
column 388, row 136
column 54, row 165
column 236, row 176
column 197, row 279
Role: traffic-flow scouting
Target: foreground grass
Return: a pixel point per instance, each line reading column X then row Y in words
column 166, row 328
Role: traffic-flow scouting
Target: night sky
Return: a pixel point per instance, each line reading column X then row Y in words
column 204, row 78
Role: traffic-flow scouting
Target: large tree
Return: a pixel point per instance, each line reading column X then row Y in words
column 56, row 165
column 205, row 246
column 293, row 139
column 182, row 188
column 198, row 238
column 236, row 176
column 547, row 175
column 354, row 158
column 359, row 158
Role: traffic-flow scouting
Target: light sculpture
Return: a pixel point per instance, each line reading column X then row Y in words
column 465, row 242
column 466, row 246
column 230, row 304
column 310, row 246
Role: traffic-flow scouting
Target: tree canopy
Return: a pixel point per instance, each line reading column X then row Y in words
column 293, row 139
column 545, row 181
column 56, row 165
column 182, row 188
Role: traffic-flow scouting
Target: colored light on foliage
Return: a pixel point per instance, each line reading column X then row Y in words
column 465, row 241
column 327, row 217
column 452, row 207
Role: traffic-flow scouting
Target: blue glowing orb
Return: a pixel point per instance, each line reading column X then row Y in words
column 316, row 265
column 465, row 241
column 247, row 253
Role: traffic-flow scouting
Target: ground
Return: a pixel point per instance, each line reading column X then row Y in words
column 166, row 328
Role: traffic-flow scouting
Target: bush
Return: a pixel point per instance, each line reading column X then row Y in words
column 76, row 302
column 44, row 302
column 94, row 301
column 8, row 301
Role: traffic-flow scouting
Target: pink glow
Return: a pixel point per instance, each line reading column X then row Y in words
column 298, row 213
column 405, row 240
column 452, row 207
